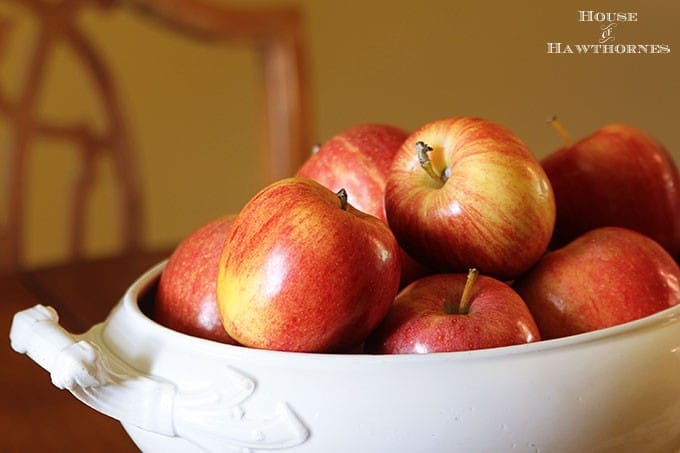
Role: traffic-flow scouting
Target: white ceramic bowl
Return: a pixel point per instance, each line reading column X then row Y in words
column 616, row 389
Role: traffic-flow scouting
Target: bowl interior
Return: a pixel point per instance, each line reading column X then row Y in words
column 140, row 300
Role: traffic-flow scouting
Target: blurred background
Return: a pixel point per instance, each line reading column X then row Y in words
column 194, row 110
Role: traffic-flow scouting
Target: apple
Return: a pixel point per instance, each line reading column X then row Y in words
column 466, row 192
column 617, row 176
column 358, row 159
column 452, row 312
column 303, row 270
column 186, row 297
column 605, row 277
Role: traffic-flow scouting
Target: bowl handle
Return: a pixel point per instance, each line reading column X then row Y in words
column 211, row 418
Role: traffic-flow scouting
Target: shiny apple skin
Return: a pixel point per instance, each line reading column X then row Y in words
column 358, row 159
column 299, row 273
column 605, row 277
column 419, row 321
column 186, row 297
column 496, row 211
column 617, row 176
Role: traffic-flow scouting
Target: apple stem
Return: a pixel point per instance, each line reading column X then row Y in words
column 342, row 195
column 464, row 305
column 561, row 131
column 422, row 149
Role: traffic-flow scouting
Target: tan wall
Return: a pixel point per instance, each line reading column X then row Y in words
column 194, row 110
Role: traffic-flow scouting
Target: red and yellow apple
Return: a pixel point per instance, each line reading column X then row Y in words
column 605, row 277
column 466, row 192
column 453, row 312
column 303, row 270
column 186, row 297
column 358, row 159
column 617, row 176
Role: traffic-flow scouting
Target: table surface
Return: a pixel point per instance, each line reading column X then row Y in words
column 35, row 415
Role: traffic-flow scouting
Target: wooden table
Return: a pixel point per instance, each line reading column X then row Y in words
column 35, row 415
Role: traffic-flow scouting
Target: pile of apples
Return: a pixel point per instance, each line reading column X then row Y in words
column 452, row 237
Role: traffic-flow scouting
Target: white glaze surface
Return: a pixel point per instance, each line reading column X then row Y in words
column 615, row 390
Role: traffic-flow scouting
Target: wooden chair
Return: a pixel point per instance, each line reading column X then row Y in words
column 276, row 33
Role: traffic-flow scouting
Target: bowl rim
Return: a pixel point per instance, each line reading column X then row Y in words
column 129, row 303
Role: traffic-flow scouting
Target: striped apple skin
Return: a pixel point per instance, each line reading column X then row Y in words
column 300, row 273
column 495, row 212
column 617, row 176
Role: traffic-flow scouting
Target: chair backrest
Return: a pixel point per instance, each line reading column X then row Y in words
column 275, row 32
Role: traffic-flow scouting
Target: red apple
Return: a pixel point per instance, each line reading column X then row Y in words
column 186, row 298
column 358, row 159
column 605, row 277
column 303, row 270
column 617, row 176
column 452, row 312
column 466, row 192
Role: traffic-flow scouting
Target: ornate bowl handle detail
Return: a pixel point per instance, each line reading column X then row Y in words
column 212, row 419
